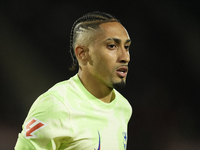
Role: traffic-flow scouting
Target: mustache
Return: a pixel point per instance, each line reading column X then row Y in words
column 122, row 66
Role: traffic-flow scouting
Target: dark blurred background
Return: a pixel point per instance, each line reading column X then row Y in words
column 163, row 84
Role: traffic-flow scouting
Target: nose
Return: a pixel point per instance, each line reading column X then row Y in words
column 124, row 56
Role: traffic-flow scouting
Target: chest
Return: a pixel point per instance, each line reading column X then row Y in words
column 97, row 129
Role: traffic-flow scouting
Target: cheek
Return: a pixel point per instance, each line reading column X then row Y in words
column 105, row 64
column 103, row 60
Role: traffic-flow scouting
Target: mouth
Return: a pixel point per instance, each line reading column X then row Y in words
column 122, row 71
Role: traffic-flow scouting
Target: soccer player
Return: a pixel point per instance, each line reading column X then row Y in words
column 85, row 112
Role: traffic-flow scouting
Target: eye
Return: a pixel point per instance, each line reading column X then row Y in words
column 127, row 47
column 111, row 46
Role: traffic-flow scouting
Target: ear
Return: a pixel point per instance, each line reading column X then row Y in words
column 81, row 53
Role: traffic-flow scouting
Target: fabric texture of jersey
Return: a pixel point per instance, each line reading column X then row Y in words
column 68, row 117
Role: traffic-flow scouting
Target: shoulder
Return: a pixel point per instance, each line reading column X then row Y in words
column 120, row 97
column 65, row 88
column 59, row 92
column 58, row 97
column 124, row 105
column 53, row 100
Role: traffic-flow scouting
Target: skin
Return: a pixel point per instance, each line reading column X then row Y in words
column 101, row 61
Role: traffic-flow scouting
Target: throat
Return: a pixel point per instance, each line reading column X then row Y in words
column 108, row 98
column 96, row 88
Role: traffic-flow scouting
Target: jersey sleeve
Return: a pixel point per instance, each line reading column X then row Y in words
column 47, row 125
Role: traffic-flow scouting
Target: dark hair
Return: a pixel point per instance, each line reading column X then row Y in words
column 92, row 20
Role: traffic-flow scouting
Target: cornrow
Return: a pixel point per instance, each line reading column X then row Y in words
column 88, row 21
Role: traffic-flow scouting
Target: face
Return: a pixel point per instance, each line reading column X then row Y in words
column 109, row 55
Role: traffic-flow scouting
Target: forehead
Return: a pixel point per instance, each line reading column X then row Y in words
column 113, row 30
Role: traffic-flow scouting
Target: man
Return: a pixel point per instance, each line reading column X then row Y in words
column 85, row 112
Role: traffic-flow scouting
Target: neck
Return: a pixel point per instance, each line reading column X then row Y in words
column 99, row 90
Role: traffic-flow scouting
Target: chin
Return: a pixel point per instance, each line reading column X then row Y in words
column 120, row 84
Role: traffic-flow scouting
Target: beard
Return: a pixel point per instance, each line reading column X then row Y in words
column 119, row 84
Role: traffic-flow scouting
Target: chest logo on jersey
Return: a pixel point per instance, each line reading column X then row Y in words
column 33, row 126
column 125, row 139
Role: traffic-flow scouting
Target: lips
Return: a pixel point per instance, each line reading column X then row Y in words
column 122, row 71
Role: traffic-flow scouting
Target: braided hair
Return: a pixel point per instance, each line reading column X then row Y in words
column 87, row 22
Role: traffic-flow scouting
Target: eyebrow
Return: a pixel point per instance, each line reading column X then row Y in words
column 118, row 40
